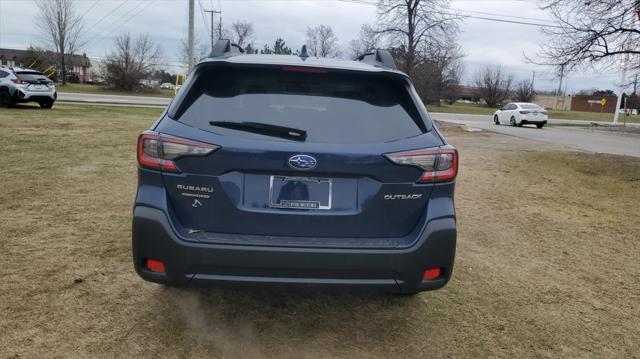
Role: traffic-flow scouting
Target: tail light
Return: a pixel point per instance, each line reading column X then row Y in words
column 439, row 164
column 157, row 151
column 18, row 82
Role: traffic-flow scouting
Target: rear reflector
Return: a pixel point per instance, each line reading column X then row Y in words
column 431, row 274
column 155, row 266
column 157, row 151
column 439, row 164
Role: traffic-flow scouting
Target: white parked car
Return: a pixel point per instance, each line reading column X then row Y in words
column 167, row 86
column 521, row 113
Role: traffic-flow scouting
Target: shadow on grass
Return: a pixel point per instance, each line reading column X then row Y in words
column 26, row 106
column 258, row 323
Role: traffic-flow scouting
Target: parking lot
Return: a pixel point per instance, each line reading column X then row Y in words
column 547, row 261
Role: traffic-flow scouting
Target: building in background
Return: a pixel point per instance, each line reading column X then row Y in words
column 552, row 102
column 77, row 65
column 592, row 103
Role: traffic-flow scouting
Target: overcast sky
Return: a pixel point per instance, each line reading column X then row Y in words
column 483, row 42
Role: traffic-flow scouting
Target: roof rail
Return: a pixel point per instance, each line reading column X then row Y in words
column 225, row 48
column 378, row 57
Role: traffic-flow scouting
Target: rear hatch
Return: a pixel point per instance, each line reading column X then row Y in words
column 299, row 152
column 35, row 81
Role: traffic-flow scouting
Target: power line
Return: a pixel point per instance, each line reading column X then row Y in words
column 92, row 6
column 501, row 15
column 507, row 21
column 364, row 2
column 204, row 19
column 120, row 21
column 109, row 13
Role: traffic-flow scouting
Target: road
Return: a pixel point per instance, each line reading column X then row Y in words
column 578, row 138
column 112, row 99
column 573, row 138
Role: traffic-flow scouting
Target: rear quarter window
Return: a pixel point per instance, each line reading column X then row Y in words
column 331, row 106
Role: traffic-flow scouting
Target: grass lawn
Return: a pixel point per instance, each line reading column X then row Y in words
column 95, row 89
column 473, row 109
column 546, row 263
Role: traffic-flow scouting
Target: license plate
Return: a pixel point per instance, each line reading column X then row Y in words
column 38, row 87
column 300, row 192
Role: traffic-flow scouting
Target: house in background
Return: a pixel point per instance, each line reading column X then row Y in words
column 552, row 102
column 77, row 65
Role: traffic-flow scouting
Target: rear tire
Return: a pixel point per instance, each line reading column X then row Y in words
column 5, row 99
column 496, row 121
column 540, row 125
column 513, row 121
column 46, row 104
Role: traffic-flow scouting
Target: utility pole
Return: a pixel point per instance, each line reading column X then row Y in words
column 190, row 36
column 212, row 12
column 623, row 79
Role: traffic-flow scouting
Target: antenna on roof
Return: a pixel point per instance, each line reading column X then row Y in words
column 378, row 57
column 303, row 53
column 225, row 48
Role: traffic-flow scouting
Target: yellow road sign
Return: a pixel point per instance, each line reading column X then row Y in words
column 603, row 102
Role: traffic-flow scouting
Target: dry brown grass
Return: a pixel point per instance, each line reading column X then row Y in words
column 547, row 260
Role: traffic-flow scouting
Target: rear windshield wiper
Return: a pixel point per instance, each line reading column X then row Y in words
column 264, row 129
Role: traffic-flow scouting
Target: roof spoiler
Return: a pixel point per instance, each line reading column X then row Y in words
column 378, row 57
column 225, row 48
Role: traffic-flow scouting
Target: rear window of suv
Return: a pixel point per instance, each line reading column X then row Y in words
column 331, row 106
column 31, row 76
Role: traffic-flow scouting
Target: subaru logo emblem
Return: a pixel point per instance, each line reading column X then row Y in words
column 302, row 162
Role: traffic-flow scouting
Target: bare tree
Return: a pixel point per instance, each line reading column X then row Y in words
column 451, row 87
column 63, row 26
column 407, row 24
column 367, row 41
column 131, row 61
column 589, row 31
column 438, row 74
column 201, row 50
column 524, row 91
column 242, row 33
column 322, row 41
column 494, row 85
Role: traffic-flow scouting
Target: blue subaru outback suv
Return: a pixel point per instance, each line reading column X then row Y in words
column 293, row 171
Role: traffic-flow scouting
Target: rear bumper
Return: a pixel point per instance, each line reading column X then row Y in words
column 534, row 122
column 189, row 263
column 22, row 95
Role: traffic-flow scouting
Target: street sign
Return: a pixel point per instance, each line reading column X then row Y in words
column 603, row 102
